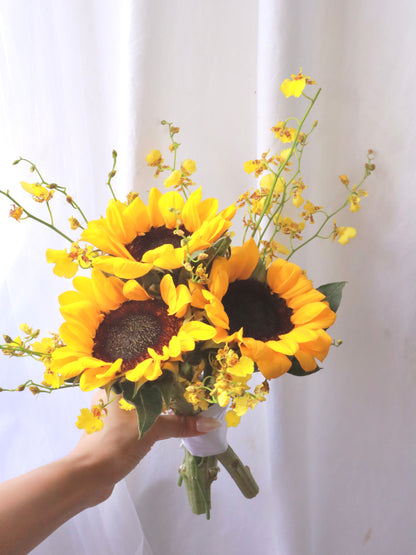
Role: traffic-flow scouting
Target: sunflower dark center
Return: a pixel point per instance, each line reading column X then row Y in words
column 261, row 313
column 131, row 329
column 155, row 237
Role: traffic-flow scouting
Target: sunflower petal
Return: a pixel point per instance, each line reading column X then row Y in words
column 133, row 291
column 171, row 205
column 76, row 337
column 243, row 261
column 155, row 215
column 122, row 267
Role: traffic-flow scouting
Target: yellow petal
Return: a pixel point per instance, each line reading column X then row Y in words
column 115, row 221
column 243, row 261
column 133, row 291
column 315, row 315
column 190, row 214
column 136, row 219
column 83, row 312
column 76, row 337
column 282, row 275
column 171, row 205
column 165, row 256
column 107, row 291
column 198, row 330
column 121, row 267
column 76, row 367
column 155, row 216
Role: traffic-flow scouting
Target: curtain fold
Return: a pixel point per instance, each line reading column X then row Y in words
column 334, row 452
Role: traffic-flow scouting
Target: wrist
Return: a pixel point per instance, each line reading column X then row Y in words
column 90, row 478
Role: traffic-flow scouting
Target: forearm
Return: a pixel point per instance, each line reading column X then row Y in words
column 32, row 506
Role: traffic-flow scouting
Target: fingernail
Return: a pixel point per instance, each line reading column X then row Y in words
column 204, row 424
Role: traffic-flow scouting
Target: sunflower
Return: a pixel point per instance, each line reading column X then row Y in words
column 139, row 237
column 272, row 320
column 114, row 329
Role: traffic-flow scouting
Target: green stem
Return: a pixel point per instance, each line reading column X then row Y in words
column 50, row 212
column 29, row 215
column 10, row 346
column 319, row 230
column 282, row 167
column 239, row 473
column 198, row 473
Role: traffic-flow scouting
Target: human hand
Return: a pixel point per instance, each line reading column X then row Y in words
column 115, row 450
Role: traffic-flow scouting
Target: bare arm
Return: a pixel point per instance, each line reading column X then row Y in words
column 32, row 506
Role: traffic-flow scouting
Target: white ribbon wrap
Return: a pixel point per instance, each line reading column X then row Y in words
column 212, row 443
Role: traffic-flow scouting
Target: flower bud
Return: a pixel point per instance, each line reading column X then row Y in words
column 34, row 389
column 20, row 388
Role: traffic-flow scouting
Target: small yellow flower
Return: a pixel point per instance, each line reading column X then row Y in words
column 354, row 202
column 174, row 179
column 196, row 395
column 74, row 223
column 125, row 405
column 309, row 210
column 256, row 166
column 297, row 198
column 38, row 192
column 52, row 379
column 243, row 368
column 89, row 422
column 284, row 134
column 188, row 167
column 64, row 263
column 344, row 179
column 278, row 247
column 27, row 330
column 267, row 181
column 16, row 212
column 345, row 234
column 284, row 154
column 154, row 158
column 295, row 86
column 131, row 196
column 232, row 419
column 47, row 345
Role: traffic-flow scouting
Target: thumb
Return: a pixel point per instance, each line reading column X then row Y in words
column 183, row 426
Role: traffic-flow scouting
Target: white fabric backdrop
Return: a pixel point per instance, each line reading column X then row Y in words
column 334, row 454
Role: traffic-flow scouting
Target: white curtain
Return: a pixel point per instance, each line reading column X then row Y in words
column 334, row 453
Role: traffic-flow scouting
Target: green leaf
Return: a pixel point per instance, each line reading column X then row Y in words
column 260, row 272
column 165, row 385
column 148, row 403
column 333, row 293
column 297, row 370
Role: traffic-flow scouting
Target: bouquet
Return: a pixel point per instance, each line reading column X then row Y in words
column 168, row 314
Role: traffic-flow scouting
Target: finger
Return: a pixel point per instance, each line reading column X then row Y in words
column 183, row 426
